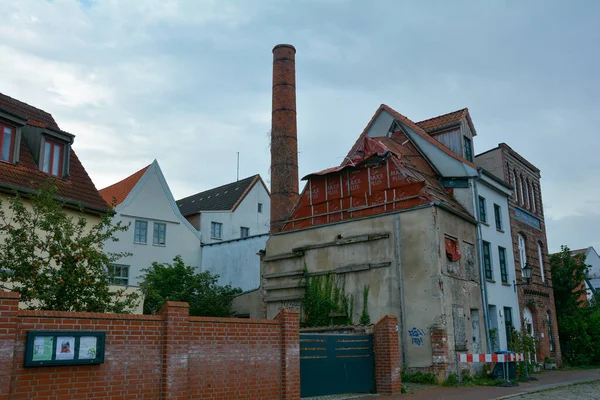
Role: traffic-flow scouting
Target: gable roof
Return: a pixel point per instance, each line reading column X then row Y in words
column 117, row 192
column 77, row 189
column 579, row 251
column 414, row 127
column 444, row 121
column 222, row 198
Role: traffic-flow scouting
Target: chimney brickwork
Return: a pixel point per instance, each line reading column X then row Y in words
column 284, row 136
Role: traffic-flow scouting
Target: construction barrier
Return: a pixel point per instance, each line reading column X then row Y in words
column 470, row 357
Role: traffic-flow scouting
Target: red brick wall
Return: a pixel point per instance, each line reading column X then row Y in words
column 167, row 356
column 387, row 355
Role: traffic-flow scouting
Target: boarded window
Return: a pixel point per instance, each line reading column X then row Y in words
column 460, row 330
column 452, row 250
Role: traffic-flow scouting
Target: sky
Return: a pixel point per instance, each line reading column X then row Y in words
column 189, row 83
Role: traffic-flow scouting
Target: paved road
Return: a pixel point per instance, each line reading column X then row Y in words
column 585, row 391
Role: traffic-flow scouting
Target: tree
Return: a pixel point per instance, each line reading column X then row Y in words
column 179, row 282
column 56, row 262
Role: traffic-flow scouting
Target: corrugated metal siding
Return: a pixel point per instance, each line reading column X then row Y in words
column 452, row 140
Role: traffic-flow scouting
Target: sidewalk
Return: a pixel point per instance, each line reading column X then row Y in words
column 546, row 380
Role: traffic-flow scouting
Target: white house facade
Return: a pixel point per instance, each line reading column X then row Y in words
column 157, row 230
column 497, row 258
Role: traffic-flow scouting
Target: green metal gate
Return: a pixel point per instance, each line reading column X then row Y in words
column 336, row 363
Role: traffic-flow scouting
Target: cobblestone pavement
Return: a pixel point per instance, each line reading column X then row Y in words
column 583, row 391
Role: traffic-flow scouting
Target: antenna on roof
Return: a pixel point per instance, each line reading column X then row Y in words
column 238, row 166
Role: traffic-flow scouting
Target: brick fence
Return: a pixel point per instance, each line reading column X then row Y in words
column 166, row 356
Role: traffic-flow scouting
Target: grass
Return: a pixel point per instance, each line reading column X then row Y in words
column 418, row 377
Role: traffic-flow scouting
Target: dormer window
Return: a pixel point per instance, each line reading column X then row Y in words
column 53, row 157
column 7, row 139
column 468, row 148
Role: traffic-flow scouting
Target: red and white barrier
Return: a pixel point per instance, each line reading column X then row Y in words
column 470, row 357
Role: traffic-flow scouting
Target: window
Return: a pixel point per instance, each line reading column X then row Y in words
column 260, row 207
column 533, row 197
column 527, row 202
column 522, row 252
column 502, row 259
column 52, row 160
column 482, row 210
column 7, row 138
column 119, row 274
column 498, row 216
column 215, row 230
column 516, row 186
column 141, row 232
column 244, row 232
column 541, row 258
column 508, row 322
column 468, row 149
column 550, row 336
column 521, row 190
column 487, row 260
column 160, row 234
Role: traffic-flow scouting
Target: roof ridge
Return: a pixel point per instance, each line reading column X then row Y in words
column 443, row 115
column 27, row 104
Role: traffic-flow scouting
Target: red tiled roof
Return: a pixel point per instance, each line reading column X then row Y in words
column 78, row 188
column 416, row 128
column 35, row 116
column 579, row 251
column 443, row 121
column 117, row 192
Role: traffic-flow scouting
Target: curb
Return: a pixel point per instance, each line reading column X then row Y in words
column 550, row 386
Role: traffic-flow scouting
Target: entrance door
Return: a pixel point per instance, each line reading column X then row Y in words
column 336, row 364
column 476, row 331
column 528, row 322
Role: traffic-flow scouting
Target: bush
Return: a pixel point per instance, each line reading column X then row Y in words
column 418, row 377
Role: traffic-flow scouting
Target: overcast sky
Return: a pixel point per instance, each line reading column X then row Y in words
column 189, row 83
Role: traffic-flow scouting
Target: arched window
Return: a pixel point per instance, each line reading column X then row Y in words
column 527, row 199
column 541, row 258
column 550, row 336
column 533, row 199
column 516, row 186
column 522, row 252
column 521, row 190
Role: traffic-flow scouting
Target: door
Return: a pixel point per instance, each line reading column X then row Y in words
column 336, row 364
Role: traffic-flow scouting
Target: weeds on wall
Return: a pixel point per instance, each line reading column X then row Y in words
column 522, row 342
column 365, row 319
column 325, row 302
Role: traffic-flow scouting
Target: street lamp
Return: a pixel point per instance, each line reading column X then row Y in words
column 527, row 269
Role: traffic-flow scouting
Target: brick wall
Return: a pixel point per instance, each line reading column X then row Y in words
column 387, row 355
column 167, row 356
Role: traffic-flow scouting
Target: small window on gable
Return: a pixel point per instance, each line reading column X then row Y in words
column 260, row 207
column 141, row 232
column 52, row 157
column 216, row 230
column 7, row 140
column 468, row 149
column 160, row 234
column 452, row 249
column 244, row 232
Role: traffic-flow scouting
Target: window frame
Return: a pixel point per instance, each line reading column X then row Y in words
column 155, row 231
column 135, row 232
column 508, row 322
column 468, row 148
column 522, row 251
column 13, row 136
column 53, row 145
column 541, row 260
column 487, row 260
column 213, row 230
column 244, row 229
column 502, row 261
column 498, row 216
column 118, row 280
column 482, row 210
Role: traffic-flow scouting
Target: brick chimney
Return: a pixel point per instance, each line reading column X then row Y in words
column 284, row 136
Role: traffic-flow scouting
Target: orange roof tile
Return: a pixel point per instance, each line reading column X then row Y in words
column 442, row 121
column 119, row 191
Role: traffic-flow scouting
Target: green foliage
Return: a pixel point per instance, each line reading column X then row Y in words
column 365, row 319
column 578, row 322
column 522, row 342
column 57, row 262
column 325, row 302
column 494, row 338
column 418, row 377
column 179, row 282
column 451, row 381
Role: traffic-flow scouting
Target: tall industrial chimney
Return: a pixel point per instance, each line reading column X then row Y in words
column 284, row 136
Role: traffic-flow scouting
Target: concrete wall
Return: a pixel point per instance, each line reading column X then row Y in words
column 492, row 162
column 246, row 215
column 365, row 251
column 248, row 304
column 236, row 262
column 150, row 202
column 500, row 294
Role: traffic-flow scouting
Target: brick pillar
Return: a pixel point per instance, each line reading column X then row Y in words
column 9, row 308
column 387, row 355
column 289, row 321
column 176, row 332
column 439, row 352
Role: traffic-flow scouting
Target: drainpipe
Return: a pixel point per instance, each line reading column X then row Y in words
column 483, row 283
column 398, row 248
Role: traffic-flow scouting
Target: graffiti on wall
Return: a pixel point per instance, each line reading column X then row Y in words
column 417, row 336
